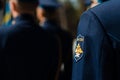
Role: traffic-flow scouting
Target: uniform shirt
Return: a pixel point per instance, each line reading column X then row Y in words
column 97, row 53
column 26, row 51
column 65, row 40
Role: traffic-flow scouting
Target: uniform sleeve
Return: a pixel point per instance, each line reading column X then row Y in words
column 87, row 55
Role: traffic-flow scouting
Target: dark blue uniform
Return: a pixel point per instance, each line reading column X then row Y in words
column 26, row 51
column 64, row 38
column 65, row 41
column 97, row 53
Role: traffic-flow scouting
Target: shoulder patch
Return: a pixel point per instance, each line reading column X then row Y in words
column 78, row 52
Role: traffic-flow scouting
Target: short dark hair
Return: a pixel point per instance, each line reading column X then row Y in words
column 27, row 5
column 51, row 13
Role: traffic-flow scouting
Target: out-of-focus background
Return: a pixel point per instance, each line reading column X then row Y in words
column 70, row 12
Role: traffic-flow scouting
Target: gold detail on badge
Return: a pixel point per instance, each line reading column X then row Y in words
column 80, row 39
column 78, row 49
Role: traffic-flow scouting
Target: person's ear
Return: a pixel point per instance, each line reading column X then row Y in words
column 13, row 5
column 40, row 12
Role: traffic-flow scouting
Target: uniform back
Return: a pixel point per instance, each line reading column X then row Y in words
column 98, row 43
column 109, row 17
column 28, row 53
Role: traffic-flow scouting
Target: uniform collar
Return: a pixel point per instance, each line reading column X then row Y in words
column 23, row 18
column 51, row 25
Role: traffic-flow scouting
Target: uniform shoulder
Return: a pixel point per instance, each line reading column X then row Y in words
column 3, row 35
column 3, row 29
column 108, row 15
column 7, row 29
column 106, row 7
column 104, row 13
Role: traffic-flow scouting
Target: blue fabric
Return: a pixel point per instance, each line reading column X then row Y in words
column 88, row 2
column 65, row 40
column 26, row 52
column 101, row 30
column 49, row 4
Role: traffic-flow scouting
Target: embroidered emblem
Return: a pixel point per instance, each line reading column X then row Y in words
column 78, row 53
column 78, row 50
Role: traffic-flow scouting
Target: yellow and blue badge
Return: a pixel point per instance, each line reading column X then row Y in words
column 78, row 52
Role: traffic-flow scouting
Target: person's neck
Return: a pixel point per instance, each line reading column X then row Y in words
column 42, row 21
column 16, row 14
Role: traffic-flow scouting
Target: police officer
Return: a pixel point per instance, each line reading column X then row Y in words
column 26, row 51
column 97, row 54
column 48, row 16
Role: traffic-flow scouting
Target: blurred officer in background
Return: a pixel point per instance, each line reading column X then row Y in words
column 48, row 16
column 26, row 51
column 97, row 54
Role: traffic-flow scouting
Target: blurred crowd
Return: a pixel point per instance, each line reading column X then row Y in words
column 69, row 12
column 57, row 18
